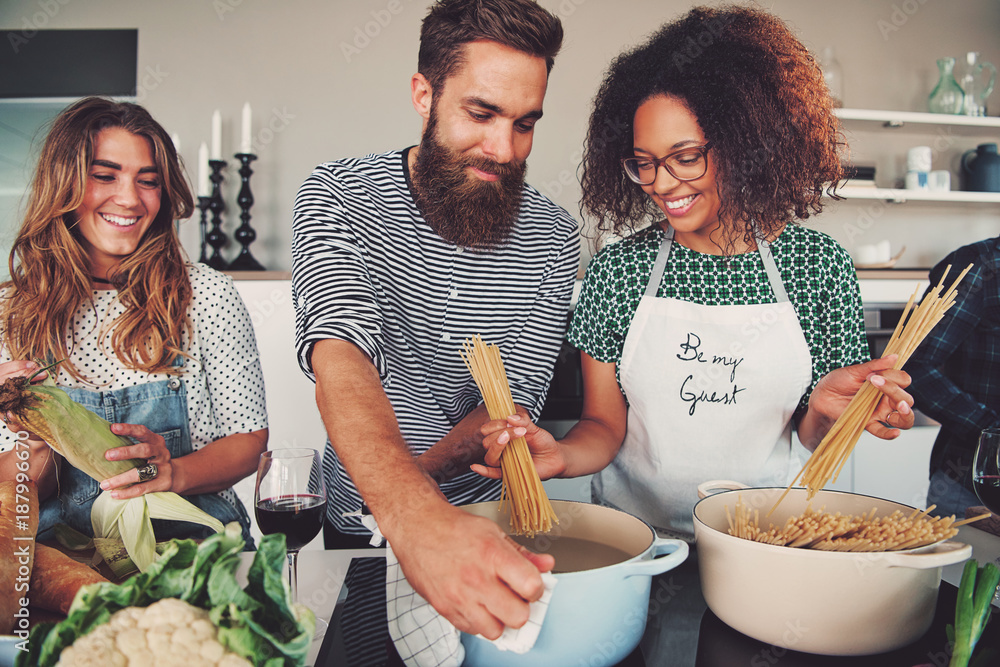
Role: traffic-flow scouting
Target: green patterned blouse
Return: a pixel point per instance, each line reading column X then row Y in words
column 816, row 271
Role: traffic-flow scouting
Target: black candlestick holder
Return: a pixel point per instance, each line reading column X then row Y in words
column 216, row 237
column 245, row 234
column 203, row 204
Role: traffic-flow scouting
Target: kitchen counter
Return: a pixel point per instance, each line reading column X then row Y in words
column 680, row 630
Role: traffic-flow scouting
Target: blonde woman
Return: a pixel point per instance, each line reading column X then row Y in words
column 162, row 348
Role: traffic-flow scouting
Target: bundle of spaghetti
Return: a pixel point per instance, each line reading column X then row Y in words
column 838, row 532
column 829, row 457
column 530, row 509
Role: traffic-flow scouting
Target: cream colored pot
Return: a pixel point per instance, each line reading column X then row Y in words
column 815, row 601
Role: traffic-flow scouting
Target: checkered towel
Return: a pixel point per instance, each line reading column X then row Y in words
column 423, row 637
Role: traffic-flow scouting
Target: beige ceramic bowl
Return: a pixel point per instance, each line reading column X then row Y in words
column 816, row 601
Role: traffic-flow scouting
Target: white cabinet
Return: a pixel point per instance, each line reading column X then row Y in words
column 892, row 469
column 931, row 224
column 292, row 414
column 895, row 469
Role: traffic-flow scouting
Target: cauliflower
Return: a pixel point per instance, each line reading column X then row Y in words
column 167, row 633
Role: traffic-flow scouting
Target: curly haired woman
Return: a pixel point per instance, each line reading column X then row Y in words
column 709, row 334
column 162, row 348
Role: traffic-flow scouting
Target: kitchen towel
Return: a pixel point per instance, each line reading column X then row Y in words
column 422, row 636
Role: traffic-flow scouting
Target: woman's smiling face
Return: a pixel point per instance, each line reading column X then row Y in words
column 664, row 125
column 121, row 198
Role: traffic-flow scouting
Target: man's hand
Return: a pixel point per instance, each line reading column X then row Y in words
column 463, row 565
column 462, row 447
column 469, row 570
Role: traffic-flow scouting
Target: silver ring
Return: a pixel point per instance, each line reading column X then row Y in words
column 885, row 422
column 148, row 472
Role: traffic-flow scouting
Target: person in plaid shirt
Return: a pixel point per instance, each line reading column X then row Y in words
column 956, row 374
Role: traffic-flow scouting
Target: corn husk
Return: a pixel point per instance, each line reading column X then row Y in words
column 82, row 438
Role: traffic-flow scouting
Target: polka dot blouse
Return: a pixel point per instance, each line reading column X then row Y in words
column 223, row 379
column 816, row 272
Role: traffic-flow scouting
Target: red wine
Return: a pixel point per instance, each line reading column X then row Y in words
column 988, row 489
column 298, row 516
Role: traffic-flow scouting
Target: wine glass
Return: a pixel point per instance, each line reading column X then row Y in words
column 289, row 498
column 986, row 469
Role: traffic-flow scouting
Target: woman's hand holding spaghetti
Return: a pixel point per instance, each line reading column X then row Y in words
column 497, row 434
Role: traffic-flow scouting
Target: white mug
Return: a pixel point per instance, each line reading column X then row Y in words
column 916, row 180
column 939, row 180
column 918, row 158
column 866, row 254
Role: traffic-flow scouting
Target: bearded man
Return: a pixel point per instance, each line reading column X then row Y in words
column 400, row 257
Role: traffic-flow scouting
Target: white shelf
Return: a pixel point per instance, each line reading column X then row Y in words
column 895, row 119
column 901, row 195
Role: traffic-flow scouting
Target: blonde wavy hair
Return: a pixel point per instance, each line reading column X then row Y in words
column 49, row 269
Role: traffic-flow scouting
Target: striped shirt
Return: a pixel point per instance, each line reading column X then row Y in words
column 367, row 268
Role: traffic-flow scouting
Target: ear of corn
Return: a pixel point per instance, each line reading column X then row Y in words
column 82, row 438
column 128, row 522
column 76, row 433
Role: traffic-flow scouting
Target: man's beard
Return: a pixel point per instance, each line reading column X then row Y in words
column 460, row 207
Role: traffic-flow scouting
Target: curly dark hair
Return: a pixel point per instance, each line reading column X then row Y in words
column 760, row 99
column 451, row 24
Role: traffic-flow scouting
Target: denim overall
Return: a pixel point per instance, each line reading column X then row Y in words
column 161, row 406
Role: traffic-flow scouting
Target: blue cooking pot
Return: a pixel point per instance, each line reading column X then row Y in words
column 605, row 562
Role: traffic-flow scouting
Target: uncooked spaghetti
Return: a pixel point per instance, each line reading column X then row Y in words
column 530, row 509
column 839, row 532
column 829, row 457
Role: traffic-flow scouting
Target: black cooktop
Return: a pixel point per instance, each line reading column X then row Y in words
column 359, row 635
column 680, row 631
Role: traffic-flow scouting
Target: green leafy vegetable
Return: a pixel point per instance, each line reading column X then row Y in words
column 257, row 622
column 972, row 610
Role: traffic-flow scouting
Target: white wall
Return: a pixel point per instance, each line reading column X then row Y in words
column 293, row 417
column 329, row 79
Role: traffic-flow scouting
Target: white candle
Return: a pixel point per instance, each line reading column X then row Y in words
column 245, row 146
column 204, row 190
column 216, row 135
column 176, row 141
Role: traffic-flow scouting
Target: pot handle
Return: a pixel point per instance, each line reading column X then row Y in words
column 945, row 553
column 705, row 488
column 677, row 550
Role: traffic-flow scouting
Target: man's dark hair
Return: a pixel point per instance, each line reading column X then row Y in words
column 451, row 24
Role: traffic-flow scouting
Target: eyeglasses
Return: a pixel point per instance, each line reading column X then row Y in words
column 688, row 164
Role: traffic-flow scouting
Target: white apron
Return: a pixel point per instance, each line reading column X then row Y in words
column 711, row 393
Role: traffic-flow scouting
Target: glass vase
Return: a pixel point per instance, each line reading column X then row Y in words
column 976, row 78
column 833, row 75
column 947, row 96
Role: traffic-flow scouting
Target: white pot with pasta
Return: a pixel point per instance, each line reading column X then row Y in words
column 863, row 582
